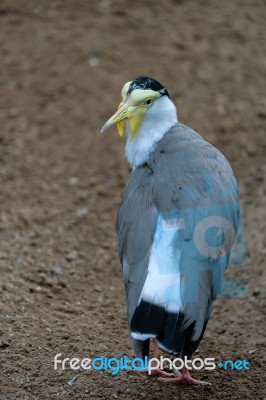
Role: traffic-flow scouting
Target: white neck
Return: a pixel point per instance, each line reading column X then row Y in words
column 156, row 122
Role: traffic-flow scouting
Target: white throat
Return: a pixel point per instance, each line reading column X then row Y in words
column 156, row 122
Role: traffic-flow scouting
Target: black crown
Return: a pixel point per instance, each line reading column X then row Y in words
column 144, row 82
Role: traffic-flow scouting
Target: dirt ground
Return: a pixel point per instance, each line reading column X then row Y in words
column 63, row 63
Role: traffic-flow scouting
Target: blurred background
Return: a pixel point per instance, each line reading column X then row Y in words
column 62, row 67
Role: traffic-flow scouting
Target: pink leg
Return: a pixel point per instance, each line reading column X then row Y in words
column 184, row 378
column 157, row 371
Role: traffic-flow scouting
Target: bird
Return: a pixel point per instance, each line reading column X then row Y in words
column 176, row 225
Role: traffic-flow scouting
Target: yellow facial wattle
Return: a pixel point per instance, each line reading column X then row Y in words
column 132, row 109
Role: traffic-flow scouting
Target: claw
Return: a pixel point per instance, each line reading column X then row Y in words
column 184, row 378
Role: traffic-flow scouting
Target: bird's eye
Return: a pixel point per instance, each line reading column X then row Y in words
column 148, row 102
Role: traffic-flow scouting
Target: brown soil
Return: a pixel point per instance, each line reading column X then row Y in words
column 63, row 64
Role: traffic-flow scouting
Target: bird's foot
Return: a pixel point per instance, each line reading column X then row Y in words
column 155, row 371
column 183, row 378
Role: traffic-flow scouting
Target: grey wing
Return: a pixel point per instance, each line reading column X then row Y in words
column 188, row 180
column 194, row 183
column 135, row 228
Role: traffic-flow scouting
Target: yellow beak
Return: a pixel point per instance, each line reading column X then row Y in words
column 119, row 118
column 126, row 113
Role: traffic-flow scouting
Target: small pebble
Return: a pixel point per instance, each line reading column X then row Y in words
column 220, row 330
column 73, row 181
column 27, row 385
column 54, row 390
column 72, row 381
column 57, row 271
column 65, row 336
column 105, row 3
column 72, row 255
column 97, row 288
column 93, row 62
column 4, row 344
column 82, row 211
column 256, row 291
column 252, row 299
